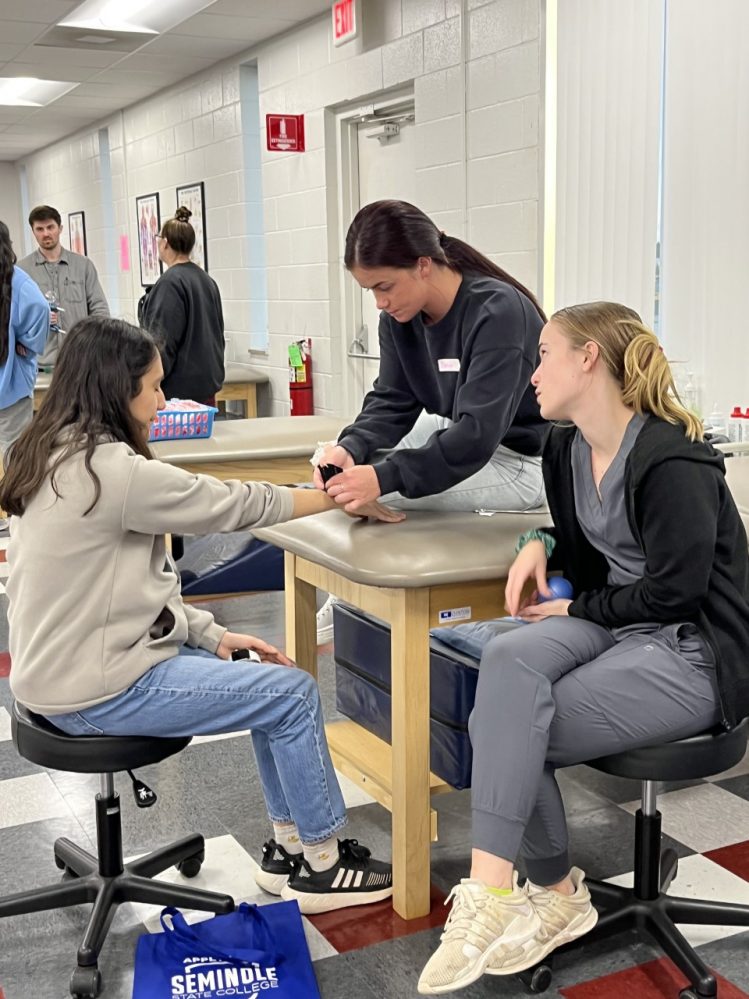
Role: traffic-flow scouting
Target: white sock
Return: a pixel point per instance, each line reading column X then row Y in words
column 322, row 856
column 288, row 838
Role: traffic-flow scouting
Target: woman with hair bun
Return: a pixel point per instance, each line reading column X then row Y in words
column 183, row 309
column 652, row 648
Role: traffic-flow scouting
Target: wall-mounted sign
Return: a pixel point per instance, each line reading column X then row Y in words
column 284, row 133
column 344, row 21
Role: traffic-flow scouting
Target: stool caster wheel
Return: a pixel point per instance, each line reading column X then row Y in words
column 536, row 979
column 67, row 872
column 190, row 866
column 85, row 983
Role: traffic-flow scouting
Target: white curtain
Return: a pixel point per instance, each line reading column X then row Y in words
column 609, row 57
column 705, row 276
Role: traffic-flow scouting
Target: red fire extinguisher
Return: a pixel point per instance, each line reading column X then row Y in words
column 300, row 378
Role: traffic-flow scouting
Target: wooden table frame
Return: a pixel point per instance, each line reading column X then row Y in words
column 399, row 777
column 245, row 392
column 289, row 471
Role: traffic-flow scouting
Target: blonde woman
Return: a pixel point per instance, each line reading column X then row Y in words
column 651, row 648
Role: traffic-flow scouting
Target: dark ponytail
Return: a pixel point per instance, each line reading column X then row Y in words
column 396, row 234
column 7, row 263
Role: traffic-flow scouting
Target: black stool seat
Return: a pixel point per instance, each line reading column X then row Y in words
column 37, row 739
column 105, row 880
column 685, row 759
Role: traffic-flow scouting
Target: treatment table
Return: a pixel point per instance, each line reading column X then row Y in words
column 432, row 569
column 273, row 449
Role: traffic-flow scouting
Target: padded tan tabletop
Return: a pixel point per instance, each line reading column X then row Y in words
column 250, row 440
column 43, row 380
column 427, row 549
column 234, row 372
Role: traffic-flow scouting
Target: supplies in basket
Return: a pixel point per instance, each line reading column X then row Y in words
column 182, row 418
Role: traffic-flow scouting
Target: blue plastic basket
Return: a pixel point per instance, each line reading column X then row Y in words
column 183, row 419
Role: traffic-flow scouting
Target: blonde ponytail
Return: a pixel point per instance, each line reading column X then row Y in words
column 633, row 355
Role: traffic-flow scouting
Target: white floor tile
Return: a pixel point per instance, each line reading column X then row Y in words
column 353, row 794
column 197, row 739
column 2, row 588
column 4, row 541
column 227, row 868
column 4, row 725
column 699, row 877
column 29, row 799
column 4, row 570
column 704, row 816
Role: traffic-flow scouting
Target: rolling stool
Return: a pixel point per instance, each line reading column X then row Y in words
column 647, row 906
column 107, row 881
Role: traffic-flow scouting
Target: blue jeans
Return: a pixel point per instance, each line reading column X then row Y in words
column 196, row 693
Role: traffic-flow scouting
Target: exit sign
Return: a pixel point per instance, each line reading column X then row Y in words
column 344, row 21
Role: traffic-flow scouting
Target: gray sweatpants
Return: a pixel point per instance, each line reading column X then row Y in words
column 563, row 691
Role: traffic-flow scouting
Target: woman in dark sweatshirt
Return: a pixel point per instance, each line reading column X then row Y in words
column 183, row 309
column 452, row 403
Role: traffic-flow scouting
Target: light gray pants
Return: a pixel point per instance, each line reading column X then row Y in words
column 13, row 421
column 564, row 691
column 508, row 481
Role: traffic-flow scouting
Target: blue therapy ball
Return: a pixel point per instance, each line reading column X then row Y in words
column 561, row 589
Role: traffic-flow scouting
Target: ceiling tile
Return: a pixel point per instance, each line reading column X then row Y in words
column 41, row 11
column 189, row 46
column 247, row 29
column 20, row 32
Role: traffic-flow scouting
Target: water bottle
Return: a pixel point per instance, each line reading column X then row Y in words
column 736, row 424
column 716, row 422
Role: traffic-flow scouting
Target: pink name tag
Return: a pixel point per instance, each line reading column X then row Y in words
column 448, row 364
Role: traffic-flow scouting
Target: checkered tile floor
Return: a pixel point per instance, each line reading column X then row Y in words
column 362, row 953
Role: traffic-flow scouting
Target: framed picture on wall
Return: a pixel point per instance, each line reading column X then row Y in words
column 77, row 232
column 149, row 223
column 192, row 196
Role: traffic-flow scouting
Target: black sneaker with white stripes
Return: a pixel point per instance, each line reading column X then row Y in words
column 275, row 867
column 355, row 879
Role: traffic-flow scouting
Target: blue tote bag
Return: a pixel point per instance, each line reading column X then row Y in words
column 251, row 952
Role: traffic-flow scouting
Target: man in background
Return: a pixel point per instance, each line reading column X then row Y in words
column 68, row 280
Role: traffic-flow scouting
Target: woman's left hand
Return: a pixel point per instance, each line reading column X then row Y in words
column 354, row 487
column 268, row 653
column 549, row 608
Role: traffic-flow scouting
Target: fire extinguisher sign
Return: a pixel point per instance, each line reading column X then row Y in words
column 284, row 133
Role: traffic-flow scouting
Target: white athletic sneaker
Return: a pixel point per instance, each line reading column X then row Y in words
column 563, row 917
column 482, row 928
column 325, row 622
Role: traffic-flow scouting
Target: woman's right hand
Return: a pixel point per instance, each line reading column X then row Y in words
column 333, row 454
column 529, row 564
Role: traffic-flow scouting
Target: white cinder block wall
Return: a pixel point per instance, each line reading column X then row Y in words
column 475, row 70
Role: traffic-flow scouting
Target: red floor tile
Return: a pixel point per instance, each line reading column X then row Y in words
column 654, row 980
column 352, row 929
column 734, row 858
column 4, row 671
column 2, row 559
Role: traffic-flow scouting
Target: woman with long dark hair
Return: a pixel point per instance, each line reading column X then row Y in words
column 24, row 327
column 452, row 403
column 184, row 310
column 116, row 650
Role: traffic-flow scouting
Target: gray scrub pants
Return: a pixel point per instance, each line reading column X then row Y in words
column 564, row 691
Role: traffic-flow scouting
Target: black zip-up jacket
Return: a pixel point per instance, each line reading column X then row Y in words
column 681, row 512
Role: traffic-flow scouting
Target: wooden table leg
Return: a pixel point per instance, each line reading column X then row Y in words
column 410, row 742
column 301, row 618
column 251, row 401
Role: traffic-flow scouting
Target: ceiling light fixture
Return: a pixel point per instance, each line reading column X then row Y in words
column 135, row 16
column 29, row 92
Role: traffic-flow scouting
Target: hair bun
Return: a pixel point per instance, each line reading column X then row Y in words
column 183, row 214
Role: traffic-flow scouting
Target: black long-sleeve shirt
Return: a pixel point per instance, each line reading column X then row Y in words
column 474, row 367
column 184, row 310
column 682, row 514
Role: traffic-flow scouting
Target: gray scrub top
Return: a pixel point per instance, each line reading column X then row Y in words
column 603, row 519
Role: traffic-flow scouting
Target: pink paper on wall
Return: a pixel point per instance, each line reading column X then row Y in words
column 124, row 253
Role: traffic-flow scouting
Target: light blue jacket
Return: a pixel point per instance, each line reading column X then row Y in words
column 29, row 326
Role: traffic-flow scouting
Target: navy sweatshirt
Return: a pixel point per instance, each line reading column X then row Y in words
column 682, row 514
column 184, row 310
column 474, row 367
